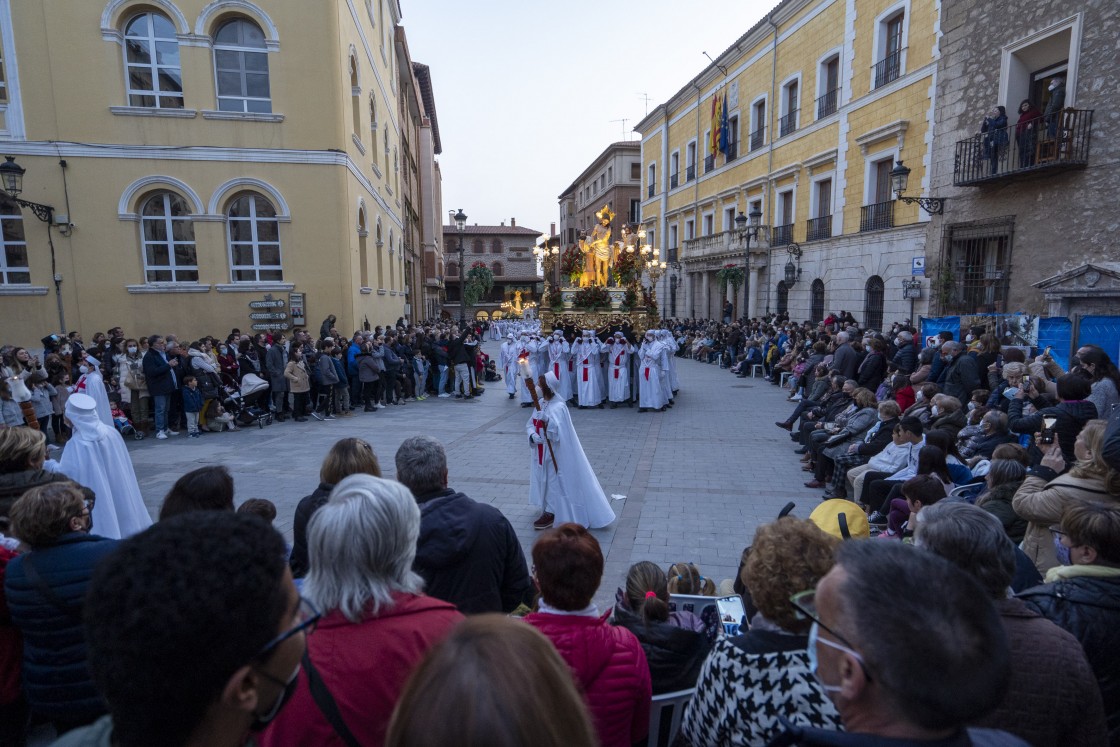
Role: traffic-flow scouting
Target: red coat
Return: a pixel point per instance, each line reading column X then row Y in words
column 610, row 671
column 11, row 644
column 365, row 666
column 905, row 397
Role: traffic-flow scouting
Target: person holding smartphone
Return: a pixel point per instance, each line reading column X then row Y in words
column 1069, row 416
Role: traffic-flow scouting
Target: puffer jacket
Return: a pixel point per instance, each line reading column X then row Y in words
column 305, row 509
column 368, row 370
column 1041, row 503
column 905, row 358
column 1071, row 417
column 951, row 423
column 997, row 502
column 610, row 670
column 1085, row 600
column 15, row 484
column 674, row 654
column 55, row 677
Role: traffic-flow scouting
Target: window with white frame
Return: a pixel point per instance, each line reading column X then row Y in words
column 673, row 236
column 254, row 240
column 635, row 171
column 890, row 47
column 241, row 66
column 610, row 175
column 828, row 86
column 689, row 229
column 790, row 103
column 14, row 269
column 151, row 61
column 635, row 211
column 1030, row 65
column 728, row 218
column 690, row 161
column 709, row 224
column 167, row 236
column 758, row 124
column 674, row 168
column 651, row 179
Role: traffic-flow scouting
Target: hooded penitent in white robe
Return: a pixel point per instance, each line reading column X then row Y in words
column 523, row 352
column 559, row 356
column 586, row 354
column 572, row 492
column 671, row 348
column 650, row 394
column 509, row 364
column 618, row 370
column 92, row 383
column 96, row 457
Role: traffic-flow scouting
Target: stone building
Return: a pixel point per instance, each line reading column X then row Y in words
column 816, row 104
column 214, row 152
column 1030, row 224
column 508, row 252
column 613, row 179
column 431, row 198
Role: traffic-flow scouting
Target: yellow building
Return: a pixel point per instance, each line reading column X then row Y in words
column 822, row 97
column 200, row 155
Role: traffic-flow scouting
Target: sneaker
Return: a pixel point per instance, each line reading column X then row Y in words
column 330, row 417
column 195, row 435
column 315, row 414
column 171, row 432
column 889, row 535
column 877, row 518
column 161, row 435
column 445, row 395
column 380, row 406
column 544, row 522
column 795, row 398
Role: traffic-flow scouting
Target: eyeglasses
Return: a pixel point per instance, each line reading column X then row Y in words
column 307, row 617
column 805, row 604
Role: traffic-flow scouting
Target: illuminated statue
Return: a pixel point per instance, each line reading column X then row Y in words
column 597, row 250
column 517, row 303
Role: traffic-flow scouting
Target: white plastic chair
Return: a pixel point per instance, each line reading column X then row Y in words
column 756, row 369
column 675, row 703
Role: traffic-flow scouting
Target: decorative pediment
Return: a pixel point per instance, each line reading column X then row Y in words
column 896, row 129
column 1090, row 279
column 827, row 158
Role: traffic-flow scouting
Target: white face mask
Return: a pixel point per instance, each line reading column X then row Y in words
column 83, row 369
column 132, row 351
column 971, row 406
column 919, row 397
column 934, row 410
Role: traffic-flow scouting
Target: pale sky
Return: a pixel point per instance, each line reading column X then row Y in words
column 526, row 91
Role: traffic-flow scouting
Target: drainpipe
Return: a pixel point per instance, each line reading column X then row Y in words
column 770, row 153
column 696, row 179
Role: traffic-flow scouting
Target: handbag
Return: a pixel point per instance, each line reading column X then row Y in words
column 326, row 702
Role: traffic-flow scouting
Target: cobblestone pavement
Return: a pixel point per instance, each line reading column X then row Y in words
column 698, row 478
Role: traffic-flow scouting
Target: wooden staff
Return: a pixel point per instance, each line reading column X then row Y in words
column 532, row 387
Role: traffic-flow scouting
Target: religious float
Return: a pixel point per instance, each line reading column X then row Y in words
column 599, row 283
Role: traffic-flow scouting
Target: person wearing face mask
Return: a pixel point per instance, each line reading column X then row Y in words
column 1026, row 132
column 133, row 387
column 960, row 375
column 46, row 590
column 1052, row 112
column 91, row 382
column 153, row 656
column 651, row 359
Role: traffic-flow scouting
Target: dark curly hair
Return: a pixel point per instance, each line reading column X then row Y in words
column 787, row 556
column 174, row 612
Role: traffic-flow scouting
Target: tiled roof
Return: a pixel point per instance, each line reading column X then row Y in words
column 492, row 231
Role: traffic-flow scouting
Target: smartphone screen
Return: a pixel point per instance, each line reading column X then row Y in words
column 731, row 614
column 1048, row 422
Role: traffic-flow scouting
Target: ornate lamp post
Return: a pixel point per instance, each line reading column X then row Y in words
column 11, row 177
column 793, row 274
column 461, row 222
column 899, row 176
column 745, row 235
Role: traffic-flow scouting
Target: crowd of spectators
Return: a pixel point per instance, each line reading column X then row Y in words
column 957, row 585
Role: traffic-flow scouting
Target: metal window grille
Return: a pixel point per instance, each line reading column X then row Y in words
column 816, row 310
column 975, row 270
column 873, row 303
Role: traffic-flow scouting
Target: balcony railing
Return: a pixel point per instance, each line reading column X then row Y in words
column 782, row 235
column 709, row 163
column 887, row 69
column 818, row 228
column 674, row 254
column 1058, row 143
column 716, row 243
column 649, row 190
column 826, row 105
column 690, row 173
column 673, row 180
column 787, row 124
column 732, row 151
column 876, row 217
column 757, row 138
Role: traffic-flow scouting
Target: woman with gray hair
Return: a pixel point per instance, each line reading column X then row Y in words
column 376, row 624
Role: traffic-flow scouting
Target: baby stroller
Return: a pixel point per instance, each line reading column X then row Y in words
column 125, row 427
column 247, row 402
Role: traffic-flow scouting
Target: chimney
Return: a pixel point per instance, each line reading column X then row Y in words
column 503, row 224
column 551, row 229
column 450, row 217
column 513, row 222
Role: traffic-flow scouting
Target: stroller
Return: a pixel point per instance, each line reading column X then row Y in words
column 247, row 402
column 124, row 425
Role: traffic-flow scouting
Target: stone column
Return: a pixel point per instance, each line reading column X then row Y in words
column 752, row 308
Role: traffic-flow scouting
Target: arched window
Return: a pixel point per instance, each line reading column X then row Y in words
column 167, row 235
column 452, row 270
column 254, row 240
column 816, row 311
column 873, row 303
column 380, row 256
column 14, row 269
column 478, row 247
column 363, row 253
column 151, row 63
column 783, row 297
column 241, row 65
column 496, row 268
column 496, row 246
column 373, row 116
column 355, row 95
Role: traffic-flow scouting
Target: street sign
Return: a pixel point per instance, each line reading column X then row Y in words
column 296, row 303
column 277, row 304
column 266, row 326
column 268, row 315
column 918, row 266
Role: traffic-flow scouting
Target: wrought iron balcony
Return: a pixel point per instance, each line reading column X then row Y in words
column 1055, row 144
column 673, row 180
column 650, row 190
column 690, row 173
column 674, row 254
column 818, row 228
column 783, row 235
column 787, row 124
column 887, row 69
column 709, row 163
column 757, row 138
column 826, row 105
column 877, row 217
column 732, row 151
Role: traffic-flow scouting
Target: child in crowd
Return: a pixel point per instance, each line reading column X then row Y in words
column 10, row 411
column 192, row 404
column 41, row 393
column 342, row 388
column 685, row 578
column 218, row 419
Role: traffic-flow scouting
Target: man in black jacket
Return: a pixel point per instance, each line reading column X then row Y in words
column 961, row 375
column 467, row 552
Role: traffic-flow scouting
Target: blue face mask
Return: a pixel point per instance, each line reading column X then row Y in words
column 1061, row 551
column 811, row 650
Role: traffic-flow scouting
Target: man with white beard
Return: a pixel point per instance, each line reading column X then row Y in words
column 586, row 354
column 508, row 360
column 559, row 356
column 618, row 371
column 650, row 394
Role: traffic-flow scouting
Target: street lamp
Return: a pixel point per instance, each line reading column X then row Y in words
column 745, row 235
column 793, row 274
column 11, row 177
column 461, row 222
column 899, row 176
